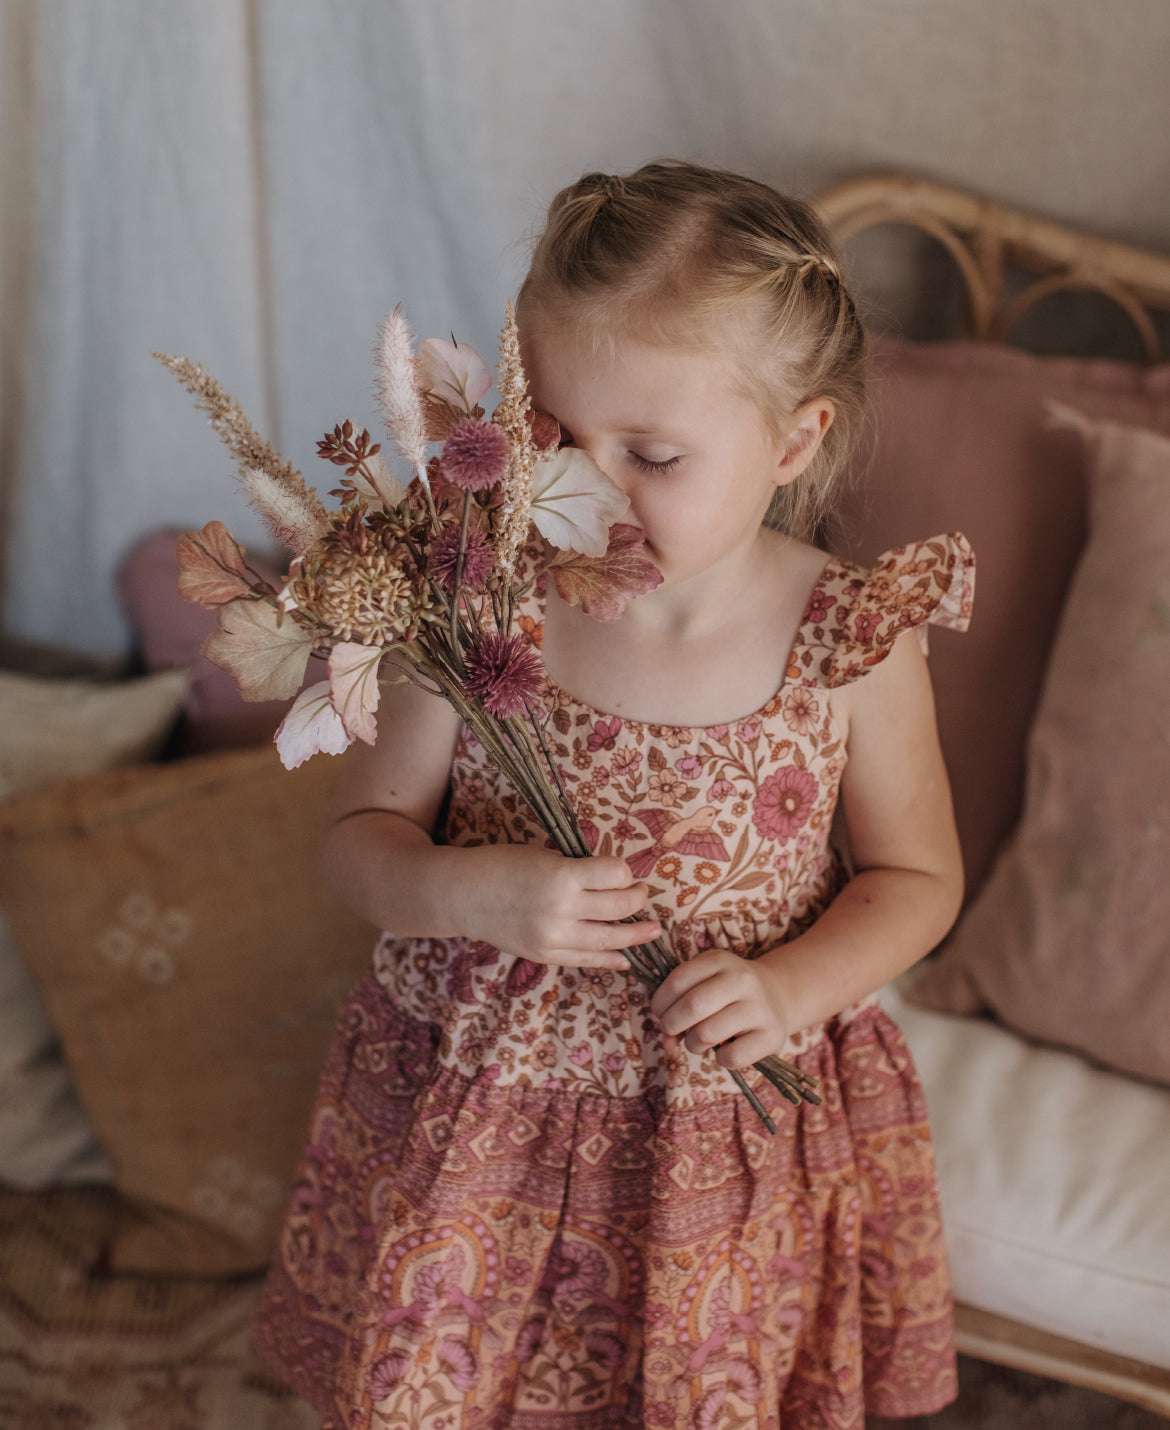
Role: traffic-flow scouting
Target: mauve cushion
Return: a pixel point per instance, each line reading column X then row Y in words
column 170, row 631
column 1068, row 940
column 963, row 444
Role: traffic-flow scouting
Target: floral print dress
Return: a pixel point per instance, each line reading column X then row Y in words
column 522, row 1205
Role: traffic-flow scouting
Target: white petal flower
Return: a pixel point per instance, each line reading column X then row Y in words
column 574, row 503
column 453, row 371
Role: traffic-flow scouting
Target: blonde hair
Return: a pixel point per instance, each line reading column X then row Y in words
column 676, row 247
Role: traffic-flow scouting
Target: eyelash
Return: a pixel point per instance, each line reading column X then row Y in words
column 645, row 465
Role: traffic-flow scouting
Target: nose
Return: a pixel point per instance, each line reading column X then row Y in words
column 605, row 460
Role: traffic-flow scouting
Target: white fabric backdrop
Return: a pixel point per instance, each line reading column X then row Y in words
column 254, row 183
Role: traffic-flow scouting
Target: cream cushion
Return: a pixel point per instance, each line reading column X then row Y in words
column 1054, row 1176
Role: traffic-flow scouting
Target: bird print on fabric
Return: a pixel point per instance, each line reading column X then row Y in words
column 672, row 835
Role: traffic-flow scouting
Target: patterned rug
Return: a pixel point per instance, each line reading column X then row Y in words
column 84, row 1351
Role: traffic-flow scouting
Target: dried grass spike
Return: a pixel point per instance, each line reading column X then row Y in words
column 294, row 521
column 237, row 434
column 398, row 390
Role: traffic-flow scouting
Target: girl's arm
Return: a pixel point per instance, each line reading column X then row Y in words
column 903, row 898
column 379, row 856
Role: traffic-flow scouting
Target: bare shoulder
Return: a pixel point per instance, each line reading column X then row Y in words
column 791, row 569
column 408, row 768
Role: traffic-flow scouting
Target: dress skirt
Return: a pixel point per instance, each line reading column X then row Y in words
column 460, row 1253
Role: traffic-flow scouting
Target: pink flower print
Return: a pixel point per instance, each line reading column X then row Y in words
column 689, row 766
column 544, row 1055
column 818, row 608
column 600, row 776
column 623, row 830
column 744, row 1378
column 800, row 708
column 717, row 732
column 582, row 1055
column 785, row 800
column 661, row 1413
column 458, row 1360
column 605, row 733
column 605, row 1348
column 579, row 1271
column 720, row 790
column 614, row 1062
column 664, row 787
column 385, row 1374
column 625, row 761
column 865, row 623
column 749, row 730
column 529, row 1340
column 517, row 1270
column 706, row 1415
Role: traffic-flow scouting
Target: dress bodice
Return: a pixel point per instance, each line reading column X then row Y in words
column 729, row 824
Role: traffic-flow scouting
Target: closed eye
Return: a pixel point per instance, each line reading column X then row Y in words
column 644, row 464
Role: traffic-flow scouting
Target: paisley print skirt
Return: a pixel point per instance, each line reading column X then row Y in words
column 460, row 1253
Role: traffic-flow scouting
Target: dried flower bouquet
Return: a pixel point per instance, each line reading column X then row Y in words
column 421, row 582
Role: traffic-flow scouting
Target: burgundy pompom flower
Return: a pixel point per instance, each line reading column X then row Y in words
column 478, row 559
column 475, row 454
column 503, row 672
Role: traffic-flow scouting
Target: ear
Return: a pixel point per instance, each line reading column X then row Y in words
column 805, row 434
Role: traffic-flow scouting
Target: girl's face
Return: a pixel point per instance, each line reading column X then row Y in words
column 673, row 429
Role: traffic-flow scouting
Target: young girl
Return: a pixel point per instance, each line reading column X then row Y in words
column 533, row 1195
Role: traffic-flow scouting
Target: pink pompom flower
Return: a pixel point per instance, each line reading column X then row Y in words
column 475, row 454
column 478, row 559
column 503, row 673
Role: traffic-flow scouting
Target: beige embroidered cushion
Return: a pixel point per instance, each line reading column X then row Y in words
column 192, row 964
column 50, row 730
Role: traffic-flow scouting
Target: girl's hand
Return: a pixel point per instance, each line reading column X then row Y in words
column 543, row 906
column 719, row 1000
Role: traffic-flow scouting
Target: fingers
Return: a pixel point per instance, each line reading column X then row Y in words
column 584, row 958
column 605, row 871
column 608, row 904
column 677, row 1003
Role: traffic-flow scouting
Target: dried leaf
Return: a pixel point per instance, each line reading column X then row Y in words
column 546, row 430
column 266, row 654
column 311, row 727
column 601, row 586
column 211, row 566
column 353, row 685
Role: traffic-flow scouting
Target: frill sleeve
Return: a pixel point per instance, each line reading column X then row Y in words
column 855, row 615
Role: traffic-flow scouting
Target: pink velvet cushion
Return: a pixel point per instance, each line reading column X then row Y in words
column 962, row 444
column 1068, row 941
column 170, row 631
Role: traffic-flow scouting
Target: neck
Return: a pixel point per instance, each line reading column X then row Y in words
column 705, row 604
